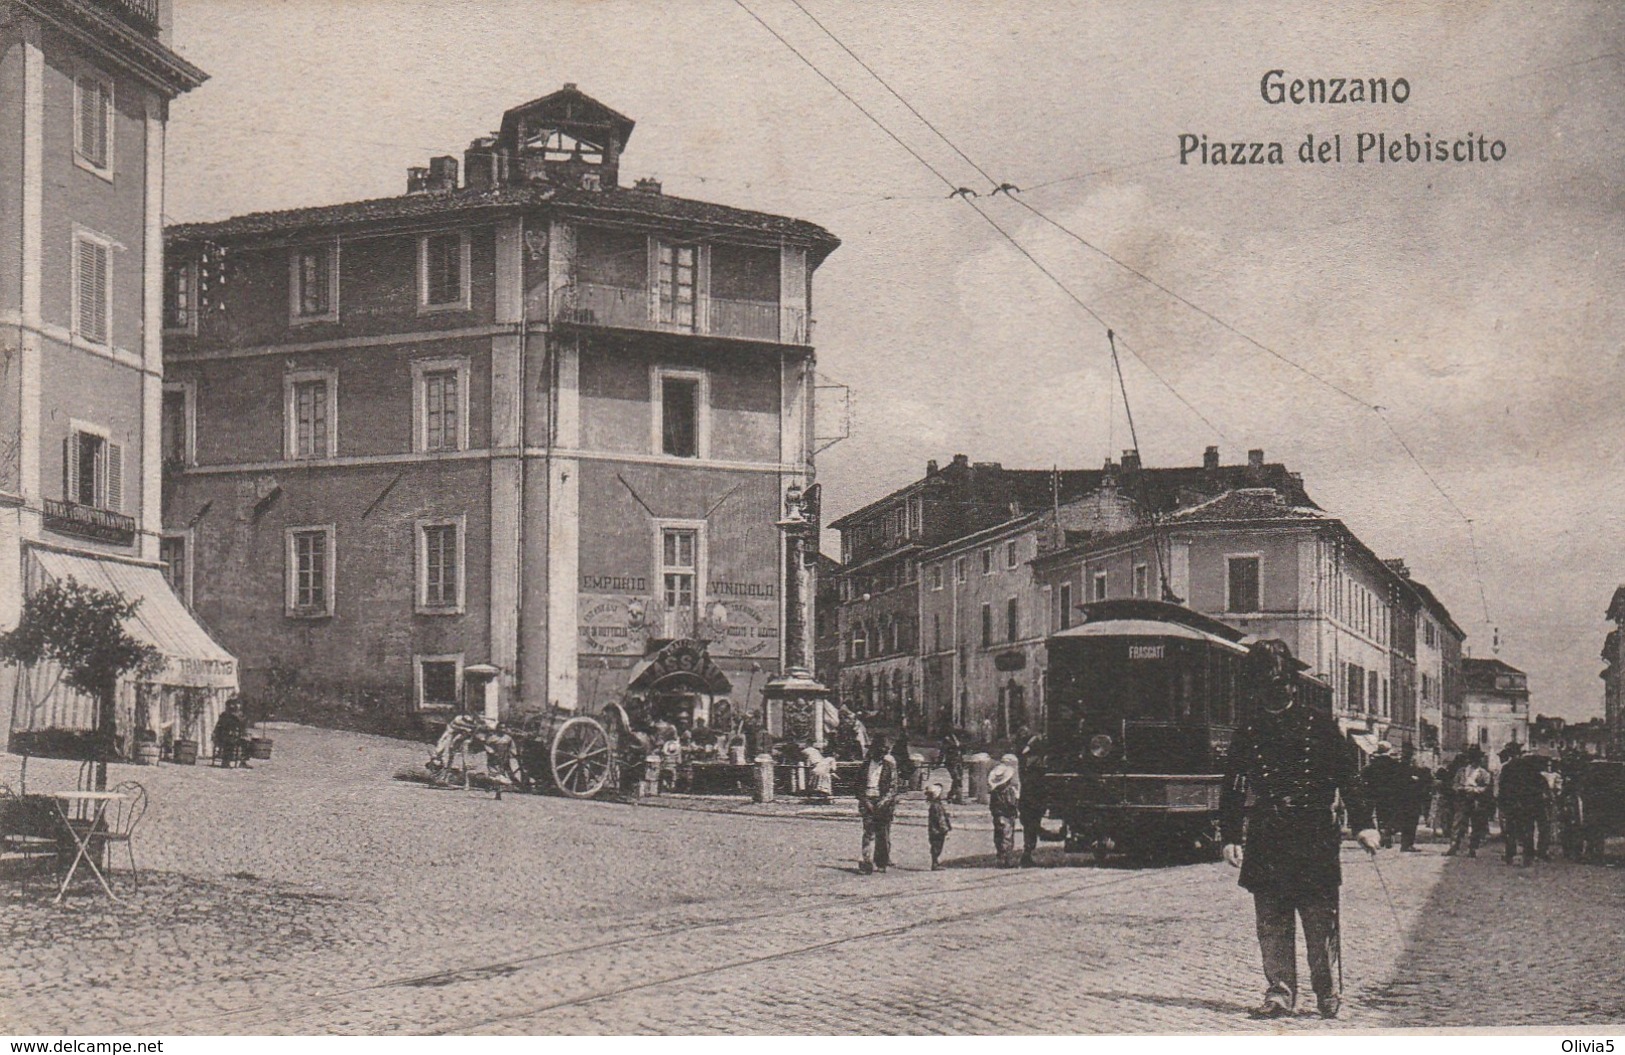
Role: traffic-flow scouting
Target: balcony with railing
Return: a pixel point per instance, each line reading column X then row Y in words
column 593, row 304
column 142, row 14
column 88, row 522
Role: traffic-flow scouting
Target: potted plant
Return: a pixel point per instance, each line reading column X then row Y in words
column 189, row 701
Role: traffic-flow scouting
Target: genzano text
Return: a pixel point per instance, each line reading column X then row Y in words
column 1331, row 91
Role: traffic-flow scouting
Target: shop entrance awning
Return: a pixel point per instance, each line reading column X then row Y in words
column 681, row 665
column 191, row 656
column 1366, row 742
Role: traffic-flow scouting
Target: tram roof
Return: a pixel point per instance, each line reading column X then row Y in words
column 1149, row 628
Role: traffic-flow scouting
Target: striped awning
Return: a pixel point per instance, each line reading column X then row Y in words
column 191, row 656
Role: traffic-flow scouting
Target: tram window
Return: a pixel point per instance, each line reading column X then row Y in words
column 1222, row 688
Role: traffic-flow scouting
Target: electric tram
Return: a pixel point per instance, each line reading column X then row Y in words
column 1143, row 700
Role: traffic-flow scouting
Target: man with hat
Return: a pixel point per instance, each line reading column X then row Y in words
column 1387, row 784
column 1471, row 794
column 1418, row 797
column 1521, row 792
column 1290, row 761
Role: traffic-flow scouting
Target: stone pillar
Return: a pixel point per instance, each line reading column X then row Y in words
column 762, row 789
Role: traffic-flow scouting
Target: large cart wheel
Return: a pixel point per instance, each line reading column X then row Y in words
column 583, row 757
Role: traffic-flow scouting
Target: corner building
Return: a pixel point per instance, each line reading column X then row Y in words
column 521, row 415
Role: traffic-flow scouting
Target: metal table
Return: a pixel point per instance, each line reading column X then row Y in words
column 96, row 804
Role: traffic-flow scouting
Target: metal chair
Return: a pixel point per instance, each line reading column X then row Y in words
column 25, row 830
column 119, row 824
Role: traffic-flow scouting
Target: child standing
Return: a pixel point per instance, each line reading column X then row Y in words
column 940, row 824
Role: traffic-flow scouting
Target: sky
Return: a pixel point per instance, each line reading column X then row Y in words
column 1477, row 304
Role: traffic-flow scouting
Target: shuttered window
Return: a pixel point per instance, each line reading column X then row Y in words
column 93, row 106
column 443, row 276
column 93, row 471
column 91, row 285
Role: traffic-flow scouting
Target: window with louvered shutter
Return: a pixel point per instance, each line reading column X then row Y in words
column 92, row 471
column 113, row 498
column 91, row 112
column 91, row 290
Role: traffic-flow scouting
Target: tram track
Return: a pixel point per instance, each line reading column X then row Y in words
column 897, row 930
column 633, row 934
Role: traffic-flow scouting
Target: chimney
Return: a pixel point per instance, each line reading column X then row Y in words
column 1210, row 458
column 417, row 180
column 961, row 460
column 931, row 467
column 647, row 185
column 479, row 163
column 1255, row 459
column 1131, row 460
column 443, row 173
column 570, row 86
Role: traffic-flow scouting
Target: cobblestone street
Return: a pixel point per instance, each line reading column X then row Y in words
column 318, row 893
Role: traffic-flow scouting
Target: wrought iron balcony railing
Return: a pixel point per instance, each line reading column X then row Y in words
column 591, row 304
column 143, row 14
column 71, row 518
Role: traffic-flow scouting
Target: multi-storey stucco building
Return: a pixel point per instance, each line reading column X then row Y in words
column 527, row 416
column 85, row 89
column 1440, row 712
column 1496, row 705
column 1263, row 558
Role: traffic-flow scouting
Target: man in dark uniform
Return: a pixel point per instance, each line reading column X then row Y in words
column 1419, row 791
column 1291, row 761
column 1522, row 794
column 1387, row 785
column 1032, row 801
column 953, row 760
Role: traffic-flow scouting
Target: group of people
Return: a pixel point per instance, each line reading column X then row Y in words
column 1463, row 797
column 1525, row 792
column 1015, row 794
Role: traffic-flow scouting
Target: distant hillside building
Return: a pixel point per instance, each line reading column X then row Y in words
column 528, row 417
column 1556, row 736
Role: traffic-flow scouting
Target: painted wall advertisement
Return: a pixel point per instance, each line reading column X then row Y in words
column 739, row 623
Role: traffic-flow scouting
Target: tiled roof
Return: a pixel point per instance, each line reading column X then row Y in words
column 994, row 488
column 1248, row 503
column 615, row 204
column 1471, row 665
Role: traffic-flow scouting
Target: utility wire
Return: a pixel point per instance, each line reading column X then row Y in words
column 1137, row 273
column 1062, row 286
column 909, row 106
column 1010, row 192
column 847, row 96
column 1375, row 408
column 956, row 191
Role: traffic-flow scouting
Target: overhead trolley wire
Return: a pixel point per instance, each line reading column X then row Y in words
column 1010, row 191
column 962, row 192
